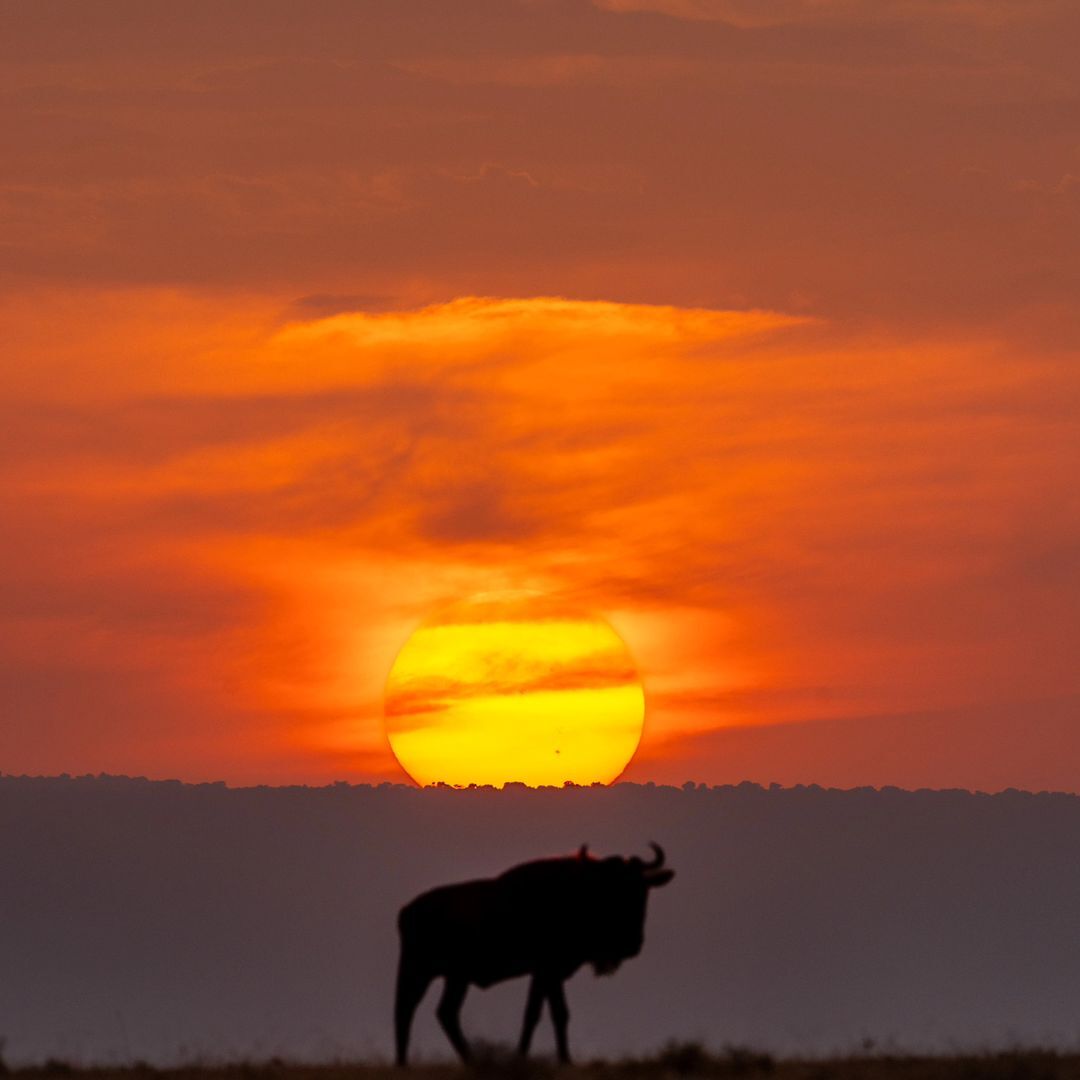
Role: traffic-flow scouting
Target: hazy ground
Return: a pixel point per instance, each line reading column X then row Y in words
column 676, row 1061
column 168, row 923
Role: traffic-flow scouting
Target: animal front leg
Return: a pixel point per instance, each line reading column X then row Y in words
column 560, row 1017
column 449, row 1014
column 533, row 1006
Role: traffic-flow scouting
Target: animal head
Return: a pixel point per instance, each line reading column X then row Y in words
column 619, row 889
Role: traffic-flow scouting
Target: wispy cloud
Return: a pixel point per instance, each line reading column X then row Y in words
column 256, row 519
column 750, row 325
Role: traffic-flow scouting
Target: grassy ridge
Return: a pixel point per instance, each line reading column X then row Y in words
column 674, row 1062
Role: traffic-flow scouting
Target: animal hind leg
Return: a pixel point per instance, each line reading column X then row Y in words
column 449, row 1014
column 560, row 1017
column 533, row 1006
column 411, row 987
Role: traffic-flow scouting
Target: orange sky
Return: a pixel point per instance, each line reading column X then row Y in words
column 748, row 326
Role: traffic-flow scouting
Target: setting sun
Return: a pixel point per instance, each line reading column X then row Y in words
column 514, row 687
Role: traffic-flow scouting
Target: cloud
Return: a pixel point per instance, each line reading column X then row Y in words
column 785, row 521
column 314, row 322
column 321, row 305
column 554, row 69
column 790, row 154
column 774, row 12
column 1029, row 744
column 594, row 671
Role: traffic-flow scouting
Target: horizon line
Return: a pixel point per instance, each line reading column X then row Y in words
column 689, row 787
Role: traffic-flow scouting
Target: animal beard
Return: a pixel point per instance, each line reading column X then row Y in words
column 606, row 967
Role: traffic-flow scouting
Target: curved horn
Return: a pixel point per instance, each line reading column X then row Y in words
column 658, row 860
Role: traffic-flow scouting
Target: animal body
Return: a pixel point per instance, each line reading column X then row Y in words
column 544, row 919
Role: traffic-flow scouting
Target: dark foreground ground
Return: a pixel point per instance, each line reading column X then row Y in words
column 672, row 1063
column 800, row 919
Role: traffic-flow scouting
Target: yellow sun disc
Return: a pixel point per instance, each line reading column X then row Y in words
column 514, row 687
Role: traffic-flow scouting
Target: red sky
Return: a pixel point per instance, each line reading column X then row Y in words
column 747, row 324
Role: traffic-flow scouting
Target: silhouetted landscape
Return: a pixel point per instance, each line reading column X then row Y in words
column 168, row 923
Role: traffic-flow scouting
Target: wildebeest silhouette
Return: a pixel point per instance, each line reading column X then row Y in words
column 544, row 919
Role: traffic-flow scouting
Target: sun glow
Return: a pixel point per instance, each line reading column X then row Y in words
column 514, row 688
